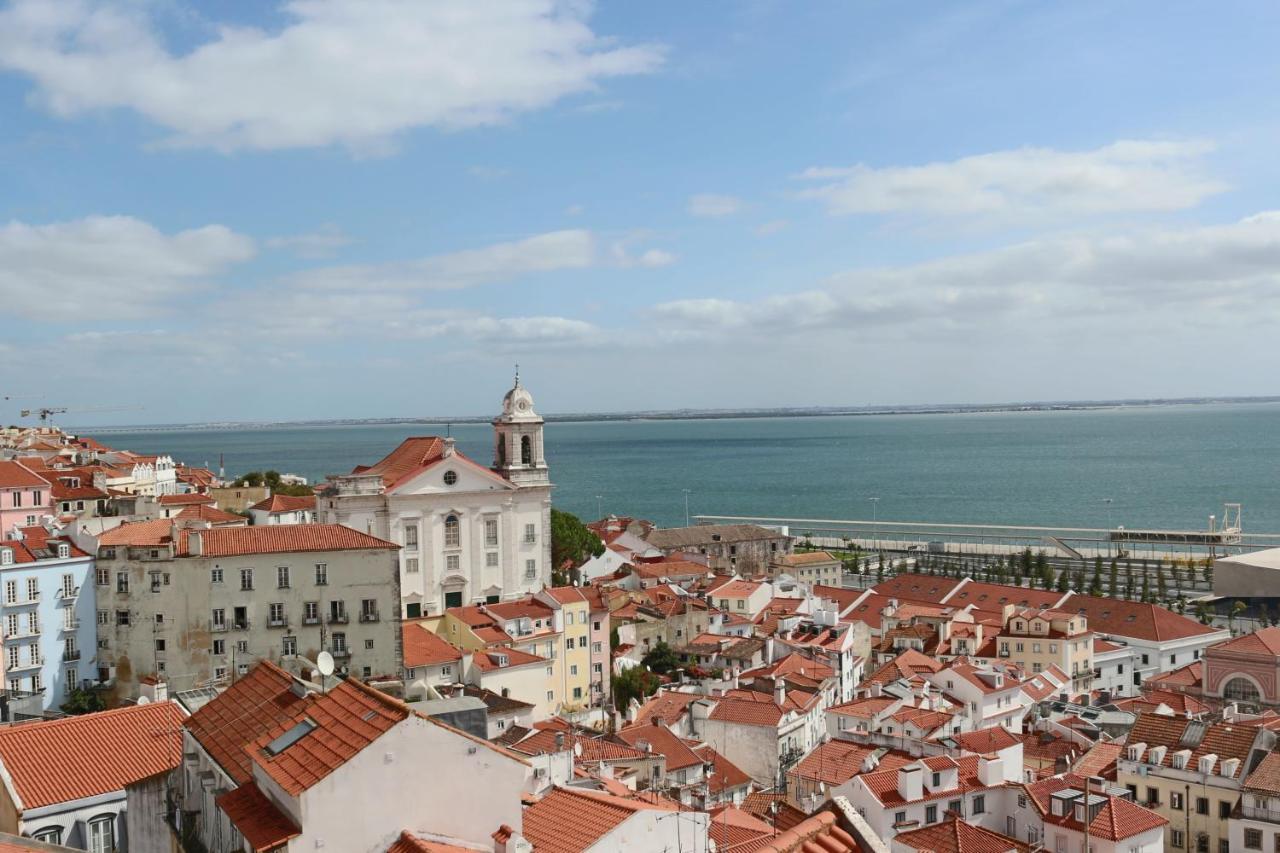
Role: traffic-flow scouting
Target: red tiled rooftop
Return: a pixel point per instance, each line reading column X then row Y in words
column 1266, row 776
column 1264, row 642
column 667, row 706
column 986, row 741
column 571, row 820
column 661, row 740
column 14, row 475
column 286, row 503
column 425, row 648
column 724, row 773
column 287, row 538
column 489, row 659
column 954, row 835
column 211, row 514
column 186, row 499
column 261, row 823
column 837, row 761
column 89, row 755
column 1134, row 619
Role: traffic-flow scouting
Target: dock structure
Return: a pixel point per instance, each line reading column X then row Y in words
column 1219, row 538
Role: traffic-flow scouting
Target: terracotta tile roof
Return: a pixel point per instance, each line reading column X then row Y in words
column 491, row 659
column 211, row 514
column 1225, row 740
column 805, row 558
column 883, row 784
column 1101, row 646
column 747, row 711
column 410, row 843
column 792, row 664
column 14, row 475
column 975, row 676
column 1264, row 642
column 737, row 589
column 916, row 587
column 923, row 719
column 139, row 533
column 1266, row 776
column 78, row 757
column 1100, row 760
column 253, row 705
column 954, row 835
column 407, row 459
column 908, row 663
column 661, row 740
column 837, row 761
column 1117, row 820
column 816, row 834
column 594, row 749
column 670, row 569
column 986, row 741
column 344, row 721
column 762, row 804
column 730, row 826
column 1134, row 619
column 566, row 594
column 569, row 820
column 285, row 503
column 1046, row 746
column 424, row 648
column 725, row 775
column 263, row 825
column 1150, row 700
column 184, row 500
column 287, row 538
column 76, row 493
column 1190, row 675
column 668, row 706
column 867, row 707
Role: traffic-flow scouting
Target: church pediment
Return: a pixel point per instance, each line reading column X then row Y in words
column 453, row 475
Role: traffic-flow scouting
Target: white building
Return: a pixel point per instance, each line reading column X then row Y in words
column 284, row 509
column 470, row 534
column 50, row 637
column 988, row 696
column 1257, row 826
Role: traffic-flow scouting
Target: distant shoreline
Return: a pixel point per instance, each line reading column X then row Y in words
column 705, row 414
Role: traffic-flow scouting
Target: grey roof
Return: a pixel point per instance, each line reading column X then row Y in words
column 702, row 534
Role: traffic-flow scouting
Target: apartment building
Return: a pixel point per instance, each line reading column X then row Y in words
column 1255, row 825
column 1039, row 638
column 1191, row 773
column 25, row 497
column 808, row 568
column 587, row 626
column 192, row 605
column 743, row 548
column 47, row 615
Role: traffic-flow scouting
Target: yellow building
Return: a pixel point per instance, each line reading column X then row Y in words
column 1036, row 639
column 1190, row 773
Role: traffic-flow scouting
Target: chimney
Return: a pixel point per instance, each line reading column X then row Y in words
column 877, row 689
column 449, row 444
column 911, row 782
column 195, row 543
column 990, row 771
column 768, row 650
column 779, row 691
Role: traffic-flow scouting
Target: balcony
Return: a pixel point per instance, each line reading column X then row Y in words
column 339, row 618
column 71, row 625
column 282, row 622
column 66, row 594
column 71, row 656
column 218, row 627
column 240, row 624
column 369, row 617
column 341, row 654
column 310, row 620
column 33, row 664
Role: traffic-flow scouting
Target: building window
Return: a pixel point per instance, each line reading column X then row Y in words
column 322, row 574
column 102, row 577
column 102, row 835
column 155, row 581
column 1224, row 812
column 282, row 577
column 338, row 611
column 246, row 579
column 452, row 532
column 411, row 565
column 215, row 576
column 931, row 814
column 52, row 835
column 219, row 647
column 452, row 563
column 979, row 804
column 491, row 533
column 311, row 612
column 551, row 696
column 530, row 534
column 899, row 818
column 1202, row 805
column 1175, row 801
column 1240, row 689
column 368, row 645
column 339, row 643
column 275, row 613
column 219, row 619
column 530, row 569
column 368, row 610
column 104, row 617
column 491, row 559
column 1177, row 839
column 159, row 644
column 289, row 646
column 122, row 617
column 411, row 535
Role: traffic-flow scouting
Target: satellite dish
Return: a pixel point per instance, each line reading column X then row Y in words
column 324, row 663
column 144, row 700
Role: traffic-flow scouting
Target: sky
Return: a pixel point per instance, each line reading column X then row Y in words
column 254, row 209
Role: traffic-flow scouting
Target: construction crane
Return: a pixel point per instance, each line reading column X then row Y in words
column 45, row 413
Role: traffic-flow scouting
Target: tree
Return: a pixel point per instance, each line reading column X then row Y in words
column 83, row 702
column 1236, row 609
column 614, row 639
column 1202, row 613
column 1111, row 578
column 572, row 544
column 634, row 682
column 661, row 659
column 271, row 479
column 1160, row 583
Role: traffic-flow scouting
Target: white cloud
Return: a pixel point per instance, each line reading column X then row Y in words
column 656, row 258
column 1123, row 176
column 649, row 258
column 350, row 72
column 556, row 250
column 324, row 242
column 712, row 205
column 488, row 173
column 1176, row 277
column 771, row 227
column 108, row 266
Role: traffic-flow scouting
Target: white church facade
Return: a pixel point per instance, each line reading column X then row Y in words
column 468, row 533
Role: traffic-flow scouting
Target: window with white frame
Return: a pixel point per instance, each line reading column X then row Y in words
column 33, row 589
column 530, row 568
column 491, row 559
column 282, row 577
column 491, row 533
column 530, row 534
column 452, row 563
column 289, row 646
column 452, row 532
column 246, row 579
column 102, row 835
column 411, row 535
column 411, row 565
column 322, row 574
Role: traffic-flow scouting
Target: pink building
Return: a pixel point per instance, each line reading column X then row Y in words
column 25, row 498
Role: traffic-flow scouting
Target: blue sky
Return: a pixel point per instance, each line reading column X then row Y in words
column 336, row 208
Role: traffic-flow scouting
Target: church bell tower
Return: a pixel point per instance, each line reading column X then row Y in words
column 517, row 434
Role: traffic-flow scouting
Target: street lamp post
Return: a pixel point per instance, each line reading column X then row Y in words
column 1107, row 501
column 686, row 507
column 875, row 529
column 599, row 506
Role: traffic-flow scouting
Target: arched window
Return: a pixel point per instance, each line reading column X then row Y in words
column 526, row 450
column 1240, row 689
column 502, row 451
column 451, row 535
